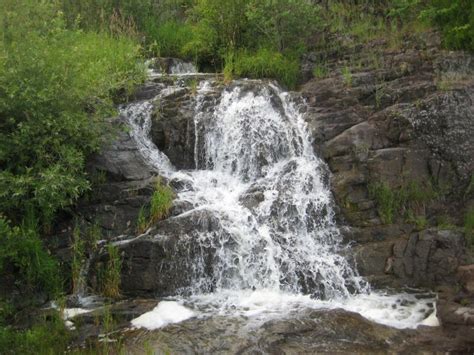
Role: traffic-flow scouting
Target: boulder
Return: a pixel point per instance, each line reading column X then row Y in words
column 120, row 159
column 168, row 259
column 429, row 258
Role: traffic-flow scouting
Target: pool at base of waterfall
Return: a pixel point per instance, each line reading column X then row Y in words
column 268, row 322
column 398, row 310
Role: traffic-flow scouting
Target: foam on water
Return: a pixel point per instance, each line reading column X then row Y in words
column 167, row 312
column 276, row 246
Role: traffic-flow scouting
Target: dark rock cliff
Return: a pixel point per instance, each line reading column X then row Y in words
column 399, row 118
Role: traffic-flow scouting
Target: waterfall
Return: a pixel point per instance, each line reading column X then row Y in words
column 254, row 141
column 274, row 239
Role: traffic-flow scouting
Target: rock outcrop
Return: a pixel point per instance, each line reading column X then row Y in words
column 399, row 119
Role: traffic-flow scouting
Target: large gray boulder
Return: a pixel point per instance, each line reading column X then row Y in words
column 168, row 259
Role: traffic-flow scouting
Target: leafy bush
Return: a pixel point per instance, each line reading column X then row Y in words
column 264, row 63
column 455, row 18
column 47, row 336
column 57, row 86
column 22, row 254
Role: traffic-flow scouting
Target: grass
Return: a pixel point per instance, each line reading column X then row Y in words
column 321, row 71
column 48, row 335
column 111, row 275
column 451, row 80
column 83, row 245
column 78, row 257
column 142, row 220
column 347, row 76
column 264, row 63
column 379, row 94
column 160, row 205
column 469, row 227
column 409, row 200
column 161, row 202
column 168, row 39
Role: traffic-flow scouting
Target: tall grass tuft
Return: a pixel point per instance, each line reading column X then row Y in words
column 111, row 275
column 161, row 202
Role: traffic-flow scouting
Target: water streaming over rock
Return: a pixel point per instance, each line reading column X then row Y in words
column 273, row 235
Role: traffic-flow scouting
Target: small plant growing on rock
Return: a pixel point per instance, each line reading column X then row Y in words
column 160, row 205
column 78, row 256
column 320, row 71
column 347, row 76
column 111, row 273
column 193, row 85
column 142, row 221
column 386, row 201
column 469, row 227
column 161, row 202
column 408, row 200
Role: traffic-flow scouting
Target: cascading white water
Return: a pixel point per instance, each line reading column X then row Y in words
column 256, row 140
column 276, row 247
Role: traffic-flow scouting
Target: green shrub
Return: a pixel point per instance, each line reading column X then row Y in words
column 170, row 39
column 47, row 336
column 264, row 63
column 22, row 253
column 57, row 86
column 347, row 76
column 455, row 18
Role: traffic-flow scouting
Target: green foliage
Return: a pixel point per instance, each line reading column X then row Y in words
column 47, row 336
column 321, row 71
column 161, row 202
column 171, row 39
column 243, row 34
column 111, row 274
column 347, row 76
column 284, row 25
column 408, row 200
column 23, row 255
column 160, row 205
column 57, row 85
column 386, row 201
column 142, row 220
column 469, row 226
column 455, row 18
column 263, row 64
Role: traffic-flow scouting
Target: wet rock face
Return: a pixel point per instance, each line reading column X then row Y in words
column 428, row 258
column 407, row 120
column 122, row 183
column 173, row 121
column 120, row 159
column 173, row 127
column 163, row 261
